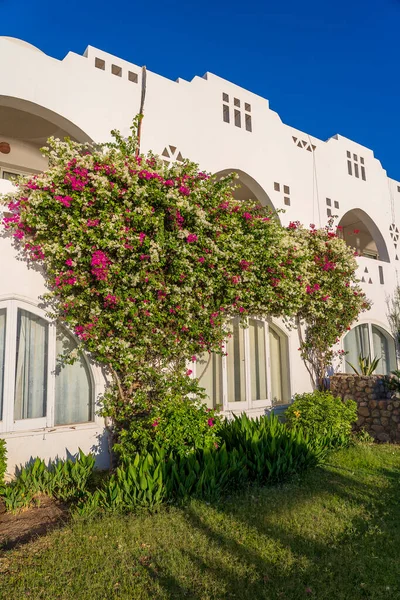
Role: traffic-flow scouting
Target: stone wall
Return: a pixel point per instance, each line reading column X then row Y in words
column 378, row 407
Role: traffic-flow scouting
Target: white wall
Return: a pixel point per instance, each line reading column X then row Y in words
column 89, row 102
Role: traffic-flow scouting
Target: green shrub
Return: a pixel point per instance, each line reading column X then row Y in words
column 66, row 480
column 258, row 451
column 177, row 425
column 320, row 413
column 3, row 462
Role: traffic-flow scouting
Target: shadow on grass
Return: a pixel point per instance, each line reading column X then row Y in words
column 259, row 550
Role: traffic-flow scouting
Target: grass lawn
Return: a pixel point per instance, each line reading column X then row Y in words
column 333, row 534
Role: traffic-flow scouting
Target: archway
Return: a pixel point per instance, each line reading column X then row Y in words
column 249, row 188
column 24, row 129
column 360, row 232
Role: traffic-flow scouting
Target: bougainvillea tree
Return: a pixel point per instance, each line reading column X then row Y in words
column 147, row 264
column 333, row 299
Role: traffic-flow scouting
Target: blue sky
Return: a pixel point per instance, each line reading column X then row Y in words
column 326, row 67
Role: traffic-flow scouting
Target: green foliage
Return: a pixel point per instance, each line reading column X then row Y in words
column 176, row 424
column 366, row 365
column 272, row 450
column 3, row 462
column 252, row 452
column 320, row 413
column 64, row 480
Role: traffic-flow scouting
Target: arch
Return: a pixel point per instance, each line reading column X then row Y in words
column 370, row 340
column 360, row 232
column 249, row 188
column 24, row 120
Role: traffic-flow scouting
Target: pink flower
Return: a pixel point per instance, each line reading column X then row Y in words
column 210, row 422
column 189, row 372
column 69, row 262
column 244, row 265
column 154, row 424
column 92, row 222
column 201, row 259
column 192, row 237
column 185, row 191
column 193, row 359
column 141, row 238
column 247, row 216
column 65, row 200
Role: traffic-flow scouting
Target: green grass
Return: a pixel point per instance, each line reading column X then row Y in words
column 333, row 534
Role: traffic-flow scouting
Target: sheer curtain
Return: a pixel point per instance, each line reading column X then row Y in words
column 210, row 370
column 355, row 343
column 2, row 355
column 31, row 367
column 384, row 349
column 235, row 364
column 258, row 360
column 276, row 366
column 73, row 393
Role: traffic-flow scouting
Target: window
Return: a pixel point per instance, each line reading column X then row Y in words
column 99, row 63
column 9, row 175
column 116, row 70
column 371, row 341
column 38, row 389
column 254, row 371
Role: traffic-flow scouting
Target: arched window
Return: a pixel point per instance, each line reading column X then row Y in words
column 37, row 389
column 371, row 341
column 254, row 373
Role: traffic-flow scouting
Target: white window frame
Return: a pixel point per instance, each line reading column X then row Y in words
column 248, row 404
column 371, row 351
column 8, row 424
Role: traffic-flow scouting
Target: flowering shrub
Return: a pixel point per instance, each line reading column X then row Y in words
column 174, row 424
column 148, row 263
column 320, row 413
column 333, row 299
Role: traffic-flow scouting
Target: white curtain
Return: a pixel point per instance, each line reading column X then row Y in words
column 236, row 365
column 31, row 367
column 384, row 349
column 258, row 360
column 275, row 366
column 210, row 370
column 2, row 355
column 356, row 342
column 73, row 393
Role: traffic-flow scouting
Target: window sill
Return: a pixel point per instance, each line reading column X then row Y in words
column 92, row 426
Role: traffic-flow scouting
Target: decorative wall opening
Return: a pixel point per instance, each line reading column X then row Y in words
column 171, row 154
column 240, row 112
column 370, row 340
column 304, row 144
column 361, row 233
column 356, row 166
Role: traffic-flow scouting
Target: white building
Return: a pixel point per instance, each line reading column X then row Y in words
column 224, row 128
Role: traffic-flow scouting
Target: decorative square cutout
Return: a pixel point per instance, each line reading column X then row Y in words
column 247, row 107
column 336, row 204
column 132, row 76
column 328, row 202
column 286, row 189
column 99, row 63
column 277, row 187
column 225, row 97
column 286, row 201
column 116, row 70
column 236, row 102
